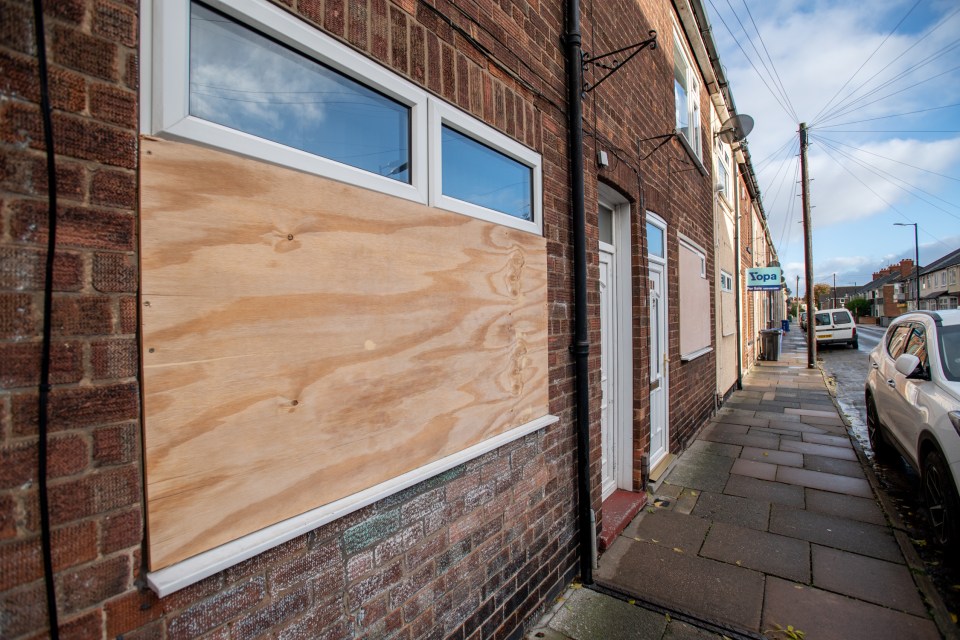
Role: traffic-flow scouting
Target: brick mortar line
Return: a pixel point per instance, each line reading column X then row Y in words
column 923, row 582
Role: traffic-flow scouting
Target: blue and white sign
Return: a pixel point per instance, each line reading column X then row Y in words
column 764, row 279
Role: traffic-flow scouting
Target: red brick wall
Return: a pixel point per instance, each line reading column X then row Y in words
column 473, row 552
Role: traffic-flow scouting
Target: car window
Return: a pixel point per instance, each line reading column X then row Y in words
column 950, row 352
column 917, row 344
column 822, row 319
column 898, row 338
column 841, row 317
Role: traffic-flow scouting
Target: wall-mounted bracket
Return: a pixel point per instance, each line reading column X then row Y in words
column 614, row 65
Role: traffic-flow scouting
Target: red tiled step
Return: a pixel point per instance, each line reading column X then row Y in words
column 618, row 510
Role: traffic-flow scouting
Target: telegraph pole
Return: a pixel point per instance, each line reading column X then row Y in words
column 808, row 250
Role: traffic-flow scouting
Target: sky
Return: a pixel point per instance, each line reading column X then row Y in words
column 878, row 84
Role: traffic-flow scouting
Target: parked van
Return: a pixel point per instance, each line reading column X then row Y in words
column 836, row 326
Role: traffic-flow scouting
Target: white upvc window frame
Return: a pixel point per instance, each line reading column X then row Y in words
column 165, row 34
column 443, row 114
column 692, row 89
column 723, row 170
column 726, row 281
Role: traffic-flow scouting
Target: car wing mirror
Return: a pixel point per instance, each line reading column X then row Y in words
column 909, row 365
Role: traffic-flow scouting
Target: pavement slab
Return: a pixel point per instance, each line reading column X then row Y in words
column 669, row 529
column 833, row 531
column 833, row 465
column 823, row 615
column 763, row 441
column 825, row 481
column 837, row 504
column 834, row 441
column 754, row 469
column 684, row 582
column 747, row 487
column 772, row 456
column 703, row 471
column 841, row 453
column 746, row 512
column 877, row 581
column 715, row 448
column 588, row 615
column 767, row 552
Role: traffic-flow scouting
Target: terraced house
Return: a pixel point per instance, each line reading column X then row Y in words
column 361, row 313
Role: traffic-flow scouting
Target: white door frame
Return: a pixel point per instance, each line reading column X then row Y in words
column 620, row 374
column 658, row 264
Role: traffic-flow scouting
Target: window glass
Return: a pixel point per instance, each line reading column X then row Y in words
column 949, row 339
column 841, row 317
column 654, row 240
column 822, row 319
column 898, row 339
column 917, row 344
column 605, row 223
column 680, row 90
column 248, row 82
column 475, row 173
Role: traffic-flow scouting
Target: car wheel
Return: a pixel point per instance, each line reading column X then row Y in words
column 940, row 497
column 881, row 448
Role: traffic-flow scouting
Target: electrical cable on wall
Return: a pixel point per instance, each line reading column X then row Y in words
column 44, row 389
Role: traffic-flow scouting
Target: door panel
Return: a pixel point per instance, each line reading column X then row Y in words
column 659, row 431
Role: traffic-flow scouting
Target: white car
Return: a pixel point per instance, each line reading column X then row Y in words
column 835, row 326
column 913, row 406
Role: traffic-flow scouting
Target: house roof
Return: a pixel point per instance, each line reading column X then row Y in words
column 948, row 260
column 879, row 282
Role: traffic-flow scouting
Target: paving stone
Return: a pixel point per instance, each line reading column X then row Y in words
column 714, row 448
column 834, row 441
column 834, row 531
column 779, row 433
column 767, row 552
column 587, row 615
column 677, row 630
column 745, row 512
column 772, row 456
column 876, row 581
column 796, row 427
column 817, row 413
column 762, row 441
column 776, row 415
column 669, row 529
column 824, row 450
column 825, row 481
column 683, row 581
column 701, row 471
column 670, row 491
column 820, row 421
column 754, row 469
column 747, row 487
column 837, row 504
column 726, row 427
column 687, row 501
column 822, row 615
column 833, row 465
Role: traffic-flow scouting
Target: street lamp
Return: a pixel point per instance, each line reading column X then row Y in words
column 916, row 255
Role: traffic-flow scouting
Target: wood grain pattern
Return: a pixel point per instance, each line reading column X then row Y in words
column 305, row 339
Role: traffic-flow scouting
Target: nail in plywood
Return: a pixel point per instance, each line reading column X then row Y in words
column 305, row 339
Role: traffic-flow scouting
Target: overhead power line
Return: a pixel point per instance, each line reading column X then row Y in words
column 912, row 166
column 894, row 115
column 870, row 57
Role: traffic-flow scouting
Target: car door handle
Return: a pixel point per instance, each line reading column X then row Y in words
column 892, row 384
column 874, row 365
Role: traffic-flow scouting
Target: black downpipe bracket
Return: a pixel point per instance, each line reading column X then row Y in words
column 581, row 345
column 45, row 109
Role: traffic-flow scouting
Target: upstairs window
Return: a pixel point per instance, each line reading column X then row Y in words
column 686, row 97
column 723, row 169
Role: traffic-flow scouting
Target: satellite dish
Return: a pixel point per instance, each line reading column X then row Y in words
column 736, row 128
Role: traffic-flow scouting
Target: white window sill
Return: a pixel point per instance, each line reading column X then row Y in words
column 192, row 570
column 693, row 154
column 693, row 355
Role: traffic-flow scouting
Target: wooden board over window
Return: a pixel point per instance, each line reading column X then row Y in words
column 305, row 339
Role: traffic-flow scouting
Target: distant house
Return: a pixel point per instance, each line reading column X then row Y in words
column 838, row 297
column 886, row 292
column 939, row 283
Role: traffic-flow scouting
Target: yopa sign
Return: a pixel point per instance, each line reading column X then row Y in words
column 763, row 279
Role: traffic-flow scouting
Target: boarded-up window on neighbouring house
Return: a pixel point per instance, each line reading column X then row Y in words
column 694, row 301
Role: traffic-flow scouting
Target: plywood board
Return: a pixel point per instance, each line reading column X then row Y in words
column 306, row 339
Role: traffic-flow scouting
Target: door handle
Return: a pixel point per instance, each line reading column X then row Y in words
column 874, row 365
column 891, row 384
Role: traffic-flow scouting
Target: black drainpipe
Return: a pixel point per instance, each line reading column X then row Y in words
column 581, row 345
column 44, row 390
column 737, row 267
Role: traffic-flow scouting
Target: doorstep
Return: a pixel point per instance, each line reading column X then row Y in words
column 618, row 511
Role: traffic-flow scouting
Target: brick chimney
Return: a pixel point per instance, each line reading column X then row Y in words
column 906, row 267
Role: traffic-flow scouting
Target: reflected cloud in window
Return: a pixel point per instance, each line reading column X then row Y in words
column 477, row 174
column 248, row 82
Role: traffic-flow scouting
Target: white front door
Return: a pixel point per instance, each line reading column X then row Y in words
column 659, row 429
column 616, row 379
column 608, row 409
